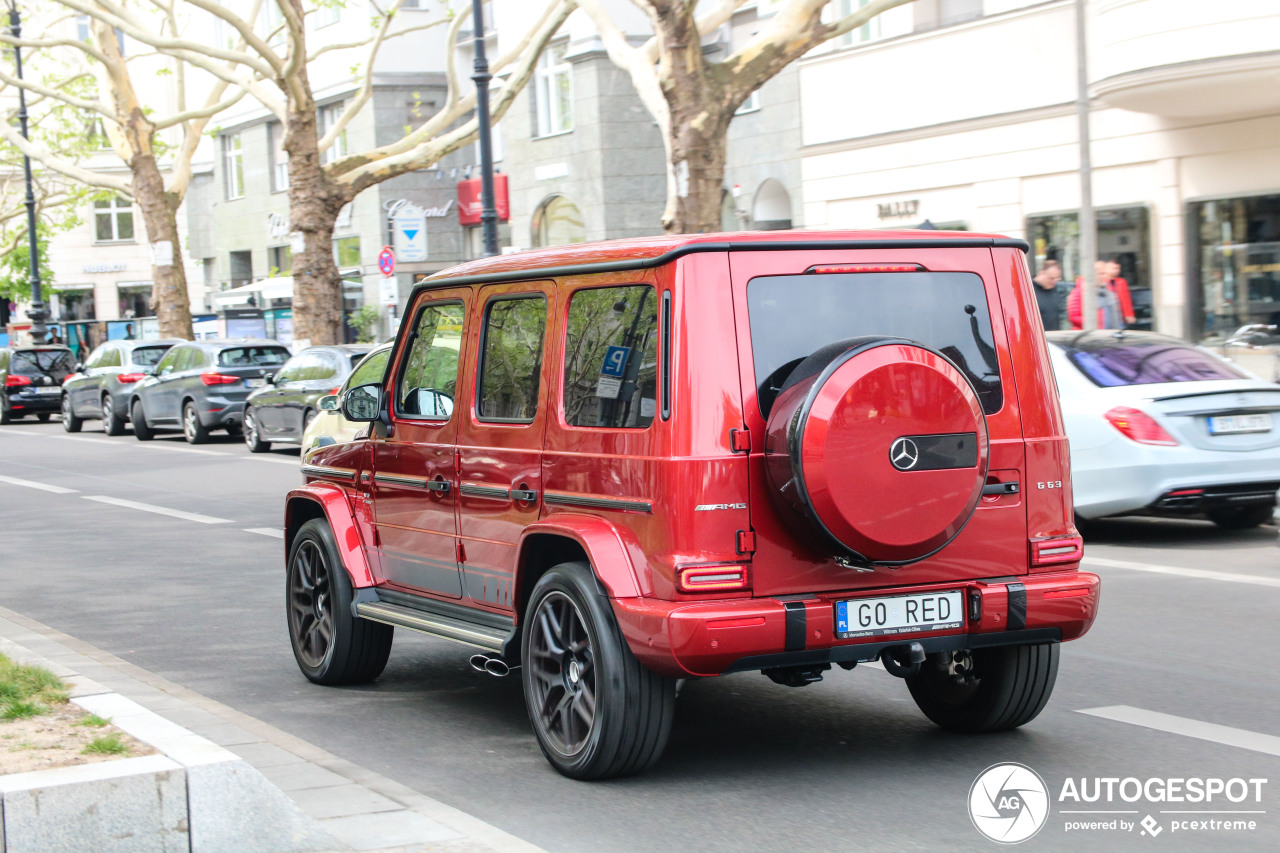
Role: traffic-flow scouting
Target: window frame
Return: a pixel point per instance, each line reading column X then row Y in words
column 233, row 183
column 114, row 210
column 478, row 388
column 403, row 362
column 279, row 157
column 660, row 297
column 327, row 115
column 546, row 73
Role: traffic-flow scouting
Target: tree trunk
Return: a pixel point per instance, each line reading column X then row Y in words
column 314, row 204
column 169, row 296
column 698, row 152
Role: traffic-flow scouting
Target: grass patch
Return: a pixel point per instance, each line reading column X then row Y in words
column 94, row 721
column 22, row 686
column 21, row 709
column 108, row 744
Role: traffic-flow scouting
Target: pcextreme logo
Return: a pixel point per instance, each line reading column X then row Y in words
column 1008, row 803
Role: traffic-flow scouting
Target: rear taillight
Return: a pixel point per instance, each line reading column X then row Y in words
column 1054, row 550
column 220, row 379
column 711, row 578
column 13, row 379
column 842, row 268
column 1139, row 426
column 131, row 377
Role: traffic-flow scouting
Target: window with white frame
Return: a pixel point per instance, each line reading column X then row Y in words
column 870, row 31
column 113, row 220
column 750, row 105
column 279, row 158
column 326, row 14
column 328, row 116
column 553, row 91
column 233, row 165
column 271, row 23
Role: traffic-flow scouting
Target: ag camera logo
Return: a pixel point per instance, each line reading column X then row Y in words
column 1008, row 803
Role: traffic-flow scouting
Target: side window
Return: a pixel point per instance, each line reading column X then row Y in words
column 511, row 358
column 167, row 363
column 111, row 357
column 189, row 360
column 611, row 357
column 324, row 368
column 371, row 370
column 98, row 358
column 292, row 369
column 429, row 378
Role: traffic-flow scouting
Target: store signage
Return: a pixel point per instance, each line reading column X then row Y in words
column 898, row 209
column 471, row 205
column 115, row 266
column 396, row 205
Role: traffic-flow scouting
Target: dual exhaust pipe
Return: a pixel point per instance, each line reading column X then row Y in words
column 496, row 667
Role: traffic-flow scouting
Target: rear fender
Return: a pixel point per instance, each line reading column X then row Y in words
column 332, row 503
column 604, row 544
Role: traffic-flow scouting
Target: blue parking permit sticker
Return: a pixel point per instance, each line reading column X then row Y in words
column 615, row 361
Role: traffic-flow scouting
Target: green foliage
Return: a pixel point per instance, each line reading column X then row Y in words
column 15, row 268
column 365, row 321
column 94, row 721
column 19, row 683
column 108, row 744
column 20, row 709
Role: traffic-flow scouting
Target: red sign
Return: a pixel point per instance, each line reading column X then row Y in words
column 470, row 204
column 387, row 261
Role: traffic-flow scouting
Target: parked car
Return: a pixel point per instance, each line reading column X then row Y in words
column 281, row 410
column 1158, row 426
column 617, row 465
column 329, row 426
column 99, row 389
column 32, row 378
column 200, row 386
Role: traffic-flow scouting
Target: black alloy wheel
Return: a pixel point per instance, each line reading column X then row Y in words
column 986, row 690
column 112, row 424
column 252, row 438
column 70, row 422
column 141, row 429
column 331, row 645
column 597, row 712
column 192, row 429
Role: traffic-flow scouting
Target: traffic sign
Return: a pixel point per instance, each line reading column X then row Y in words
column 387, row 261
column 409, row 233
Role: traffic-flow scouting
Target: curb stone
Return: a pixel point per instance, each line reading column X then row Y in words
column 221, row 751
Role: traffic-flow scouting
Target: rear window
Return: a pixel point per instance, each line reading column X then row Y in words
column 1147, row 362
column 253, row 357
column 356, row 358
column 791, row 316
column 42, row 361
column 148, row 356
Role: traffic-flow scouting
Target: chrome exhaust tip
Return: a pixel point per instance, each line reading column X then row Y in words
column 479, row 662
column 497, row 667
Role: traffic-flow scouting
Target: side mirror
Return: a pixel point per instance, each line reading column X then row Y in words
column 271, row 378
column 79, row 367
column 330, row 403
column 363, row 403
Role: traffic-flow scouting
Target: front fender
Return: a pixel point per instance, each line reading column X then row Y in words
column 605, row 544
column 334, row 504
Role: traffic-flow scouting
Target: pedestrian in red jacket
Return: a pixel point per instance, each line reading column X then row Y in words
column 1115, row 307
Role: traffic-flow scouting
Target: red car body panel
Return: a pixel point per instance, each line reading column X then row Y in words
column 630, row 499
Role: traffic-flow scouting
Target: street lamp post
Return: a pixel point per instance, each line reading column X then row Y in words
column 488, row 213
column 37, row 312
column 1086, row 220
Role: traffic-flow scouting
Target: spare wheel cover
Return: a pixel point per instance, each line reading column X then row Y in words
column 890, row 451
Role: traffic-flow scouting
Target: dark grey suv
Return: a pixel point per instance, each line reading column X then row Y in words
column 31, row 380
column 284, row 409
column 201, row 385
column 100, row 387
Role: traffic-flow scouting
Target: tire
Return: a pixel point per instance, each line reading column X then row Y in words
column 234, row 430
column 192, row 430
column 307, row 417
column 70, row 422
column 1008, row 687
column 43, row 417
column 630, row 719
column 112, row 424
column 6, row 415
column 330, row 645
column 141, row 429
column 1241, row 517
column 252, row 439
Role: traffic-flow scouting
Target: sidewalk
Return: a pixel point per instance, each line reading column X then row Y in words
column 359, row 809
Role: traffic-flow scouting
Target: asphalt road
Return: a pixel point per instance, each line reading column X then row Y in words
column 1185, row 638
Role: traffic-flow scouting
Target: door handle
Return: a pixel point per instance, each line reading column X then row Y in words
column 1000, row 489
column 439, row 486
column 524, row 495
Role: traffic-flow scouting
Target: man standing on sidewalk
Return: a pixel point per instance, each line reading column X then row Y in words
column 1050, row 299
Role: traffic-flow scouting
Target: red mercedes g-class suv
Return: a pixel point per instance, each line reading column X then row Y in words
column 612, row 466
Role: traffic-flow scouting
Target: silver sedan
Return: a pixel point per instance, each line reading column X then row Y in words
column 1158, row 426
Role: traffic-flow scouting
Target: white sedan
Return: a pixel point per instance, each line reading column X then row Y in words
column 1158, row 426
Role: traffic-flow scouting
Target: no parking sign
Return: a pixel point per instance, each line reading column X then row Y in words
column 387, row 261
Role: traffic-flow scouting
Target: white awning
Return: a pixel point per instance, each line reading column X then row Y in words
column 262, row 292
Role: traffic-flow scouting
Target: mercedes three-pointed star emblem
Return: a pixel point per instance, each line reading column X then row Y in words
column 904, row 454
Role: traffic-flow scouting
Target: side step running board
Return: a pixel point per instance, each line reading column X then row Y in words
column 489, row 638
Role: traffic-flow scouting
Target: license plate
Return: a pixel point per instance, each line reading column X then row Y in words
column 53, row 390
column 255, row 383
column 899, row 614
column 1228, row 424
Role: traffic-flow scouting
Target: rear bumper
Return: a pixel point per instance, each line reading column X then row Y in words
column 680, row 638
column 22, row 404
column 219, row 412
column 1141, row 483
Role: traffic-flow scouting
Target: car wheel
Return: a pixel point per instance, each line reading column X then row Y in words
column 986, row 690
column 1241, row 517
column 331, row 645
column 307, row 417
column 194, row 431
column 43, row 417
column 112, row 424
column 6, row 415
column 141, row 429
column 234, row 430
column 69, row 420
column 251, row 437
column 596, row 710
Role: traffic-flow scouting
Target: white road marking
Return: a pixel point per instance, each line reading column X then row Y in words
column 1268, row 744
column 155, row 446
column 44, row 487
column 83, row 438
column 294, row 462
column 158, row 510
column 1204, row 574
column 273, row 532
